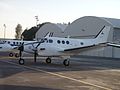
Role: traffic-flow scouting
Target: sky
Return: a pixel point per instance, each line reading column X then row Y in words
column 13, row 12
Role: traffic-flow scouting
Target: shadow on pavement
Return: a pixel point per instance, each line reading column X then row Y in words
column 15, row 87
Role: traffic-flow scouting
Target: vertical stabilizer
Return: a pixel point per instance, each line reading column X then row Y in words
column 102, row 36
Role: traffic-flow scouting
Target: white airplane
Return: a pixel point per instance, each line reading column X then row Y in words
column 8, row 45
column 64, row 47
column 4, row 47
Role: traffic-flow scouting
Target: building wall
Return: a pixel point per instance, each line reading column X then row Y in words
column 116, row 39
column 85, row 27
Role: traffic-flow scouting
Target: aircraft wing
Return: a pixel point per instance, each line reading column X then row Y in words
column 85, row 48
column 114, row 45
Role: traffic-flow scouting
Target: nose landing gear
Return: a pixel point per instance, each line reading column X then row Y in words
column 21, row 61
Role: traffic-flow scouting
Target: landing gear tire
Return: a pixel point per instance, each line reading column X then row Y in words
column 11, row 54
column 48, row 60
column 21, row 61
column 66, row 62
column 16, row 55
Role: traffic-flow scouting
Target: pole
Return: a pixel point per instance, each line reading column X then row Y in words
column 4, row 30
column 36, row 17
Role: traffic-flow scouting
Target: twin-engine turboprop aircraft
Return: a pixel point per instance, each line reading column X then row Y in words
column 9, row 45
column 62, row 47
column 4, row 47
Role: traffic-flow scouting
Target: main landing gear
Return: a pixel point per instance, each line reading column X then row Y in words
column 14, row 54
column 21, row 60
column 66, row 62
column 48, row 60
column 21, row 49
column 11, row 54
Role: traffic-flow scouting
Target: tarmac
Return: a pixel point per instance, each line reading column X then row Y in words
column 82, row 74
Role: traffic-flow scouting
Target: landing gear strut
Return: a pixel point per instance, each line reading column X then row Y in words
column 35, row 56
column 21, row 61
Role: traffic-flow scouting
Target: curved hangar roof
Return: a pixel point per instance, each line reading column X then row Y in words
column 89, row 26
column 49, row 27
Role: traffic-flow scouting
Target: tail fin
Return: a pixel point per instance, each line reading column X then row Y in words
column 102, row 36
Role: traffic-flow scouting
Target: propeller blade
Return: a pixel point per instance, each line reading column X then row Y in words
column 42, row 40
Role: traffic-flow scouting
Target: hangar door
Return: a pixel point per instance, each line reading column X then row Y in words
column 116, row 39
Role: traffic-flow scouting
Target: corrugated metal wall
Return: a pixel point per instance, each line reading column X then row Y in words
column 116, row 39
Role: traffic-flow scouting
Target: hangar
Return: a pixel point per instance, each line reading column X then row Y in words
column 57, row 30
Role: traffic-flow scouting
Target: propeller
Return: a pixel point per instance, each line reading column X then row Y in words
column 35, row 49
column 21, row 49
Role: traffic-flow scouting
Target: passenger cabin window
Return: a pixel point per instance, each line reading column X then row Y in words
column 63, row 42
column 81, row 43
column 58, row 41
column 67, row 42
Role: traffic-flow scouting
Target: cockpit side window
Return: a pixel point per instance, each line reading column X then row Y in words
column 22, row 43
column 8, row 42
column 16, row 43
column 13, row 43
column 50, row 41
column 63, row 42
column 46, row 40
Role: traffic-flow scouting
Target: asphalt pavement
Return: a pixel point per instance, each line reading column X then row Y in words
column 82, row 74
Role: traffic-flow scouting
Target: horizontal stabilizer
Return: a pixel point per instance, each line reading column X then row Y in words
column 114, row 45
